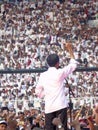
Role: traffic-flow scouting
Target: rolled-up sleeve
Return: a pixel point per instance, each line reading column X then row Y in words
column 73, row 61
column 70, row 68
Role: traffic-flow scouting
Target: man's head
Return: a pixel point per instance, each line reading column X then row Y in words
column 53, row 60
column 3, row 125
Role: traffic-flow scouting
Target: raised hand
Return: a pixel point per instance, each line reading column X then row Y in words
column 68, row 47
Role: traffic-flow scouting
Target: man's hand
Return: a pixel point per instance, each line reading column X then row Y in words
column 68, row 46
column 57, row 122
column 69, row 49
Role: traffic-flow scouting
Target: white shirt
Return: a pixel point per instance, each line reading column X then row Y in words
column 51, row 86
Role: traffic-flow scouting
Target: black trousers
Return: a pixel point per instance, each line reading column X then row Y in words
column 50, row 116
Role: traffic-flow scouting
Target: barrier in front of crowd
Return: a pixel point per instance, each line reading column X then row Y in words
column 40, row 70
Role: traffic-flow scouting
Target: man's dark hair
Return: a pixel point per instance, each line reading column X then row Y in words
column 4, row 108
column 52, row 60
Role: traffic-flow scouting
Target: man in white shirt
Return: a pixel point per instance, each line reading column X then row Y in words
column 50, row 86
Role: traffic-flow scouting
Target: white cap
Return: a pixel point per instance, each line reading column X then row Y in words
column 3, row 122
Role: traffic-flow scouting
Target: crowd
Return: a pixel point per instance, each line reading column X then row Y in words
column 29, row 31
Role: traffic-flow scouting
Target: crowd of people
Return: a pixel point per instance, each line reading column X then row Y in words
column 29, row 32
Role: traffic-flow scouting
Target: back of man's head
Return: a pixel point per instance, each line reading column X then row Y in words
column 52, row 60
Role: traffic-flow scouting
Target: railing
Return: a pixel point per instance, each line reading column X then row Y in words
column 40, row 70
